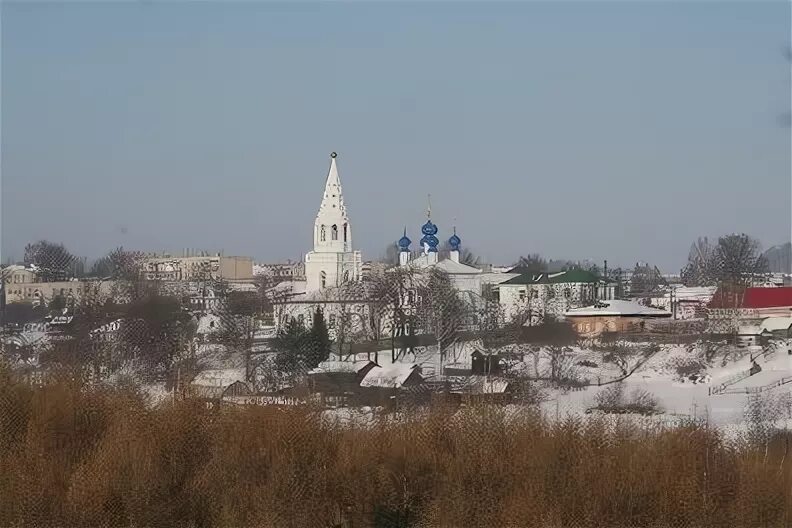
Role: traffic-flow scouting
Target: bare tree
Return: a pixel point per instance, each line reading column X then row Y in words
column 442, row 311
column 397, row 291
column 735, row 261
column 626, row 356
column 119, row 264
column 739, row 259
column 646, row 280
column 701, row 267
column 53, row 262
column 466, row 255
column 533, row 263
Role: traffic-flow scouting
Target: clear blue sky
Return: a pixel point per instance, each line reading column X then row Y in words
column 577, row 130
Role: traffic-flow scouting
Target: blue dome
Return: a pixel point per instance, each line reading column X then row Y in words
column 429, row 228
column 454, row 242
column 404, row 243
column 431, row 241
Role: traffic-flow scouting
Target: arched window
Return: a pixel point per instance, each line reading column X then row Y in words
column 346, row 276
column 323, row 276
column 334, row 232
column 322, row 234
column 345, row 232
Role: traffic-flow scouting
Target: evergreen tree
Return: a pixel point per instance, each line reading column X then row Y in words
column 321, row 340
column 292, row 344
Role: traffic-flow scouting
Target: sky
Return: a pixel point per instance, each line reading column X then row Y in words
column 591, row 130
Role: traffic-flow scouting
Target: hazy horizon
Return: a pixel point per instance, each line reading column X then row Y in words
column 618, row 131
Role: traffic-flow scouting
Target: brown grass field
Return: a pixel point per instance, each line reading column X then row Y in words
column 70, row 456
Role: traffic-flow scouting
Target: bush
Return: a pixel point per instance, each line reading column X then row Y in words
column 612, row 400
column 73, row 456
column 689, row 367
column 587, row 363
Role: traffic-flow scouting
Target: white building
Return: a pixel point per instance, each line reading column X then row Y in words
column 536, row 297
column 332, row 261
column 331, row 265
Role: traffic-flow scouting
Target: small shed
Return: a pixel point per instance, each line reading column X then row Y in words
column 393, row 376
column 218, row 392
column 780, row 327
column 484, row 364
column 337, row 377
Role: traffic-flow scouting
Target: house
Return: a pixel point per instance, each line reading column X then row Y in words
column 780, row 327
column 684, row 302
column 339, row 377
column 537, row 297
column 480, row 389
column 484, row 364
column 215, row 393
column 197, row 267
column 612, row 316
column 757, row 334
column 393, row 376
column 731, row 308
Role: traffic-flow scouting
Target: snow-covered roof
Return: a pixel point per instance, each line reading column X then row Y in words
column 390, row 376
column 339, row 366
column 774, row 324
column 694, row 293
column 456, row 268
column 219, row 377
column 496, row 277
column 112, row 326
column 208, row 323
column 749, row 330
column 447, row 265
column 293, row 287
column 486, row 385
column 617, row 308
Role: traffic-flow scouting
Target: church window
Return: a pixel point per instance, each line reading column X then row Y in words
column 345, row 232
column 334, row 232
column 322, row 234
column 324, row 279
column 346, row 276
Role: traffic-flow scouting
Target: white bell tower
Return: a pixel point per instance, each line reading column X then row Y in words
column 332, row 261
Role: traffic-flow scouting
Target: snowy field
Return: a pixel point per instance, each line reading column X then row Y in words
column 678, row 400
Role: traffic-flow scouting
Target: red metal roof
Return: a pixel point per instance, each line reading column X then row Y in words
column 752, row 298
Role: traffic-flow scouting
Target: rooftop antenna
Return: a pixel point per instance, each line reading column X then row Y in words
column 429, row 206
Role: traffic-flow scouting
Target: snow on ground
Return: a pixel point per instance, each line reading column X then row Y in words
column 658, row 376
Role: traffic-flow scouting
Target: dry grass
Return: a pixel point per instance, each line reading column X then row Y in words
column 73, row 457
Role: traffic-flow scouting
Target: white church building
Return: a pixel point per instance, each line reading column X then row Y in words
column 334, row 270
column 332, row 261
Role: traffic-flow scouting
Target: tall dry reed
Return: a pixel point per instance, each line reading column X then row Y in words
column 70, row 456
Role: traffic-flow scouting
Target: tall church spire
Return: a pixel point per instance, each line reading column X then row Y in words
column 332, row 232
column 333, row 198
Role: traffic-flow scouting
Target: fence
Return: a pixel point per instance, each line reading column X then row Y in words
column 757, row 390
column 720, row 389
